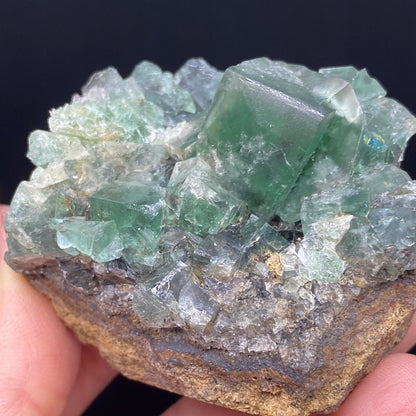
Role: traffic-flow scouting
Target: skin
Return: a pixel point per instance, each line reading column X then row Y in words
column 73, row 374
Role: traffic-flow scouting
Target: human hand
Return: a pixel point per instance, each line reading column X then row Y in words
column 44, row 370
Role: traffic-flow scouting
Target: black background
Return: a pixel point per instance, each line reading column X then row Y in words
column 48, row 49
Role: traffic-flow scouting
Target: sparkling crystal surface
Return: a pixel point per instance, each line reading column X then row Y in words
column 249, row 205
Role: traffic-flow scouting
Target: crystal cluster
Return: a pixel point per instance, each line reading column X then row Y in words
column 247, row 205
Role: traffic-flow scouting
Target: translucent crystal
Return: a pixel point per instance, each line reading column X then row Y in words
column 98, row 86
column 384, row 139
column 151, row 310
column 177, row 245
column 45, row 148
column 318, row 259
column 29, row 219
column 200, row 79
column 364, row 86
column 161, row 88
column 362, row 248
column 123, row 114
column 167, row 283
column 137, row 210
column 195, row 306
column 181, row 139
column 393, row 218
column 260, row 132
column 257, row 233
column 97, row 239
column 217, row 257
column 199, row 203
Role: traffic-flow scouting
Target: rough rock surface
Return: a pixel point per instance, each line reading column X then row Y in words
column 256, row 383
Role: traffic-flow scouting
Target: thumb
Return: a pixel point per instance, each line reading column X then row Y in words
column 39, row 356
column 3, row 212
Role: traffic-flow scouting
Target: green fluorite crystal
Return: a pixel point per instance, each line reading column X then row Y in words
column 137, row 210
column 268, row 188
column 162, row 89
column 97, row 239
column 200, row 204
column 260, row 132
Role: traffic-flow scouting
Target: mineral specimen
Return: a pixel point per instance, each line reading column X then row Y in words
column 246, row 238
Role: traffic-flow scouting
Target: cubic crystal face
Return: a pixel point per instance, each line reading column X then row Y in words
column 246, row 210
column 137, row 210
column 260, row 132
column 200, row 204
column 98, row 239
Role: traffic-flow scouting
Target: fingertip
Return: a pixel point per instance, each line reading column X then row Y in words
column 93, row 376
column 389, row 390
column 191, row 407
column 39, row 356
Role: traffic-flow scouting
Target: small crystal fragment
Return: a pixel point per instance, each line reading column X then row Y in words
column 161, row 89
column 137, row 210
column 200, row 204
column 200, row 79
column 97, row 239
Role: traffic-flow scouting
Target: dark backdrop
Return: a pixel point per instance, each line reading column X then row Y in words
column 49, row 48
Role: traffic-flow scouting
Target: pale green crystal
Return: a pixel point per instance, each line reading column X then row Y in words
column 117, row 113
column 29, row 219
column 199, row 203
column 218, row 257
column 393, row 216
column 258, row 234
column 318, row 259
column 384, row 116
column 46, row 147
column 137, row 210
column 361, row 244
column 160, row 88
column 97, row 239
column 364, row 86
column 181, row 140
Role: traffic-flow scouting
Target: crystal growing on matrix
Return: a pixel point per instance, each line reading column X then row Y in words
column 239, row 202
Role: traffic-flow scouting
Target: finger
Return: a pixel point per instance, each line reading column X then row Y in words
column 93, row 376
column 3, row 212
column 39, row 356
column 88, row 378
column 192, row 407
column 389, row 390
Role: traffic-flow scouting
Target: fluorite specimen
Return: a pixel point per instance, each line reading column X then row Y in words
column 246, row 237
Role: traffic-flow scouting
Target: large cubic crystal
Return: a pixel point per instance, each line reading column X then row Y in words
column 232, row 233
column 260, row 132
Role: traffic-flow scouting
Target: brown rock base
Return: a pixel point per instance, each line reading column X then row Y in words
column 255, row 383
